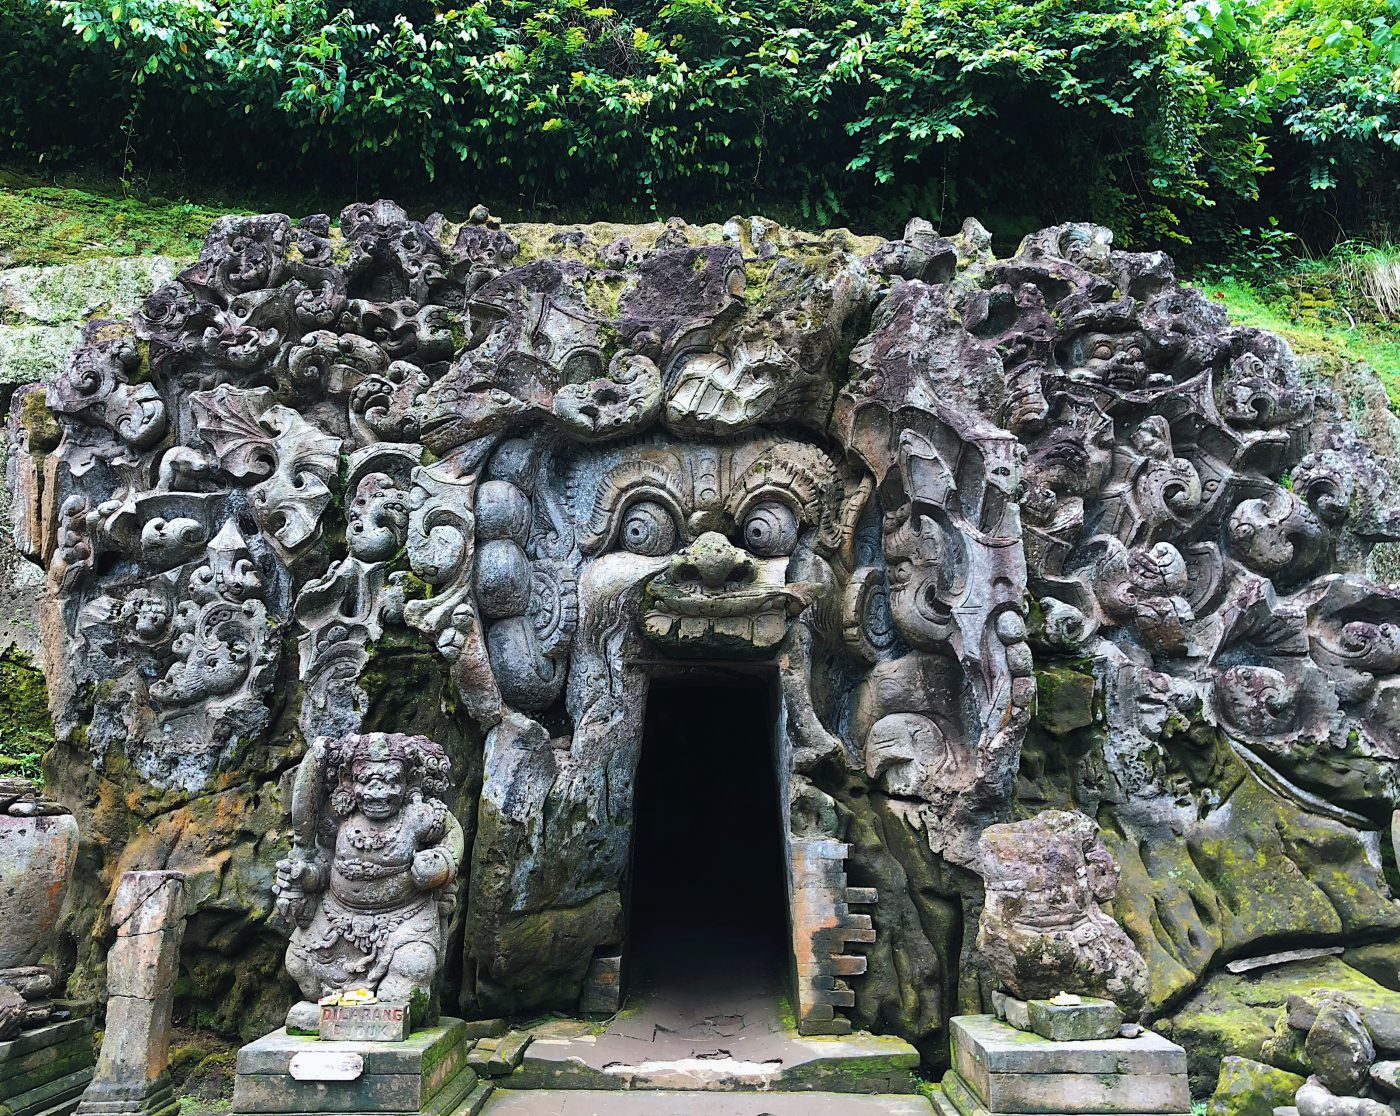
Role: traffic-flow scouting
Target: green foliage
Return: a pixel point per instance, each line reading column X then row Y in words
column 26, row 732
column 1319, row 315
column 1137, row 114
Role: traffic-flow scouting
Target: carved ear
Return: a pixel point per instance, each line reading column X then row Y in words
column 343, row 800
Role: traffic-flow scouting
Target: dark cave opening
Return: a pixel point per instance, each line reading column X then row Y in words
column 708, row 891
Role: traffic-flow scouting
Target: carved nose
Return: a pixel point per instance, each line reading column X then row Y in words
column 713, row 560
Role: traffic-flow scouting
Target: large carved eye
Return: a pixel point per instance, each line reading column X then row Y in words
column 1102, row 351
column 770, row 529
column 648, row 529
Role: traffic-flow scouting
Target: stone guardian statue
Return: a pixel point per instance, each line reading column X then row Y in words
column 369, row 887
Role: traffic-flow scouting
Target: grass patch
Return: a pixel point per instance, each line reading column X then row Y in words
column 43, row 225
column 1311, row 324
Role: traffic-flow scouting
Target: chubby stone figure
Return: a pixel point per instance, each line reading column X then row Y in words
column 368, row 887
column 1043, row 930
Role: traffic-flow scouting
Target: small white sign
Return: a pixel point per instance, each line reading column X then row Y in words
column 326, row 1065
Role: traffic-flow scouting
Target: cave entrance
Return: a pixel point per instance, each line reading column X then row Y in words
column 707, row 906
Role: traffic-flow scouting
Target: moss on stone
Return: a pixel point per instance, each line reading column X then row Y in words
column 1240, row 1015
column 1250, row 1088
column 1064, row 698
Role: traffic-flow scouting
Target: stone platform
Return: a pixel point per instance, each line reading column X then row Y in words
column 427, row 1073
column 44, row 1072
column 998, row 1069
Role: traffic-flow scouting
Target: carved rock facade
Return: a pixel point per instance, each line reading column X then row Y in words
column 902, row 478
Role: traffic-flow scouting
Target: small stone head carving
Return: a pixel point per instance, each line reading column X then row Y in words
column 378, row 772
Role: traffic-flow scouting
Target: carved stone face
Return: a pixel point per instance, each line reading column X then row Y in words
column 1115, row 360
column 377, row 519
column 379, row 788
column 711, row 530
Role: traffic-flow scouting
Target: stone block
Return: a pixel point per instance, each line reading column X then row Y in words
column 1010, row 1071
column 1004, row 1049
column 602, row 986
column 1088, row 1019
column 960, row 1098
column 428, row 1072
column 1012, row 1010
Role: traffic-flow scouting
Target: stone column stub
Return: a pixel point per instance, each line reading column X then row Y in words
column 133, row 1069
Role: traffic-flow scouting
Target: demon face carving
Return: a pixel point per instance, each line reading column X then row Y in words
column 713, row 528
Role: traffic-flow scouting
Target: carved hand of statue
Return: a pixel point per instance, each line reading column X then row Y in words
column 298, row 876
column 433, row 868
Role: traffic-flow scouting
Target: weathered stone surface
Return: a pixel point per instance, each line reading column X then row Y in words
column 514, row 468
column 427, row 1072
column 1385, row 1076
column 42, row 308
column 38, row 846
column 1339, row 1049
column 1250, row 1088
column 1012, row 1011
column 1378, row 1009
column 1315, row 1099
column 1104, row 1095
column 1247, row 1015
column 551, row 1102
column 999, row 1049
column 133, row 1068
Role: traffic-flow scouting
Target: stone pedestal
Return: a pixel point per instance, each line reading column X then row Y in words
column 133, row 1070
column 282, row 1074
column 46, row 1070
column 998, row 1069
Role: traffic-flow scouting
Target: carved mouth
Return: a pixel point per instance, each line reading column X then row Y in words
column 737, row 623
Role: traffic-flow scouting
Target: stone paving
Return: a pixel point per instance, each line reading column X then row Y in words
column 556, row 1102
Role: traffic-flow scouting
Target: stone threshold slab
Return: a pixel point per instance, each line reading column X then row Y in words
column 579, row 1102
column 573, row 1058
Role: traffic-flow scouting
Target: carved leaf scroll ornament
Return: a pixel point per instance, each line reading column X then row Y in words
column 289, row 461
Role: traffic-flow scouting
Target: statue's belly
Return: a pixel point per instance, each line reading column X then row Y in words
column 391, row 890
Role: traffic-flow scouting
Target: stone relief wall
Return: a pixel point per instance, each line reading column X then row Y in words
column 1037, row 531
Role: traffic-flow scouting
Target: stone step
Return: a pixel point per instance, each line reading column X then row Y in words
column 656, row 1102
column 476, row 1100
column 50, row 1095
column 492, row 1057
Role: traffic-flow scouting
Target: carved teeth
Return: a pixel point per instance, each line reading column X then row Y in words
column 768, row 627
column 734, row 627
column 659, row 625
column 692, row 627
